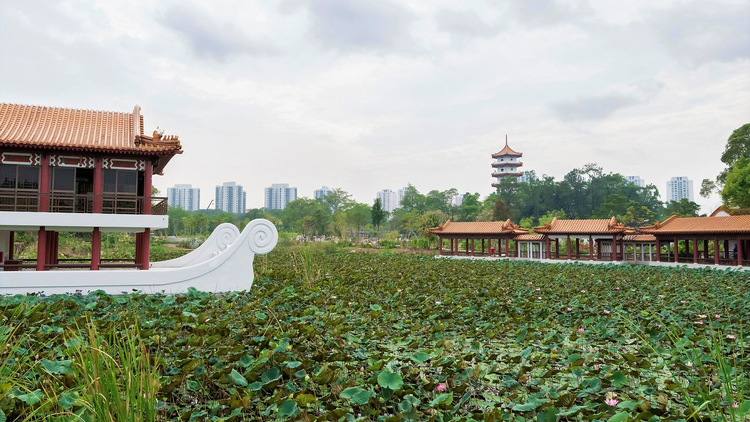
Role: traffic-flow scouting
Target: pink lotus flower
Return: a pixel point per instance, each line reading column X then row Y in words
column 606, row 311
column 731, row 336
column 362, row 368
column 440, row 387
column 689, row 363
column 437, row 302
column 717, row 316
column 538, row 289
column 539, row 297
column 682, row 301
column 736, row 405
column 702, row 316
column 580, row 330
column 570, row 309
column 661, row 295
column 612, row 402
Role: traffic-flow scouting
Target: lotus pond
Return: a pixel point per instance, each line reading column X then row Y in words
column 329, row 336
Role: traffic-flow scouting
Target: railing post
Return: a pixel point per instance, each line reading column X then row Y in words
column 41, row 248
column 96, row 248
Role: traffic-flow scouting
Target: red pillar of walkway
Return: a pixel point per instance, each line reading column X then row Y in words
column 695, row 250
column 739, row 252
column 567, row 243
column 705, row 248
column 507, row 247
column 472, row 246
column 591, row 248
column 716, row 250
column 578, row 249
column 41, row 249
column 44, row 184
column 96, row 248
column 549, row 249
column 676, row 250
column 658, row 250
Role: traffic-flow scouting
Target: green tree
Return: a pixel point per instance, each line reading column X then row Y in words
column 358, row 217
column 470, row 207
column 413, row 200
column 549, row 216
column 736, row 191
column 501, row 211
column 338, row 199
column 683, row 208
column 378, row 214
column 737, row 148
column 295, row 213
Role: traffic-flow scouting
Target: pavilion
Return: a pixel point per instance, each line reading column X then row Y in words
column 86, row 171
column 494, row 237
column 730, row 235
column 606, row 235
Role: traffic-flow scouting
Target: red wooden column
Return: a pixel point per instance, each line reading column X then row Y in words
column 676, row 250
column 482, row 246
column 591, row 248
column 695, row 250
column 658, row 250
column 507, row 247
column 578, row 249
column 12, row 244
column 739, row 252
column 705, row 248
column 98, row 185
column 41, row 249
column 146, row 249
column 96, row 248
column 147, row 176
column 472, row 246
column 716, row 250
column 549, row 249
column 44, row 184
column 467, row 246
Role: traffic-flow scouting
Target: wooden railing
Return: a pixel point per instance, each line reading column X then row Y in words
column 81, row 203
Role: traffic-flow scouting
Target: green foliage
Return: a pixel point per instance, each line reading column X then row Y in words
column 737, row 148
column 736, row 191
column 378, row 214
column 403, row 336
column 683, row 208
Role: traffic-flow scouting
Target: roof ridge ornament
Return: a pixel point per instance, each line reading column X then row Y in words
column 136, row 123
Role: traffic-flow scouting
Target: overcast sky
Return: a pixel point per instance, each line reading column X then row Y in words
column 373, row 94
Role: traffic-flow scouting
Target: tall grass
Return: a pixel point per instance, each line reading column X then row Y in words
column 119, row 382
column 720, row 386
column 108, row 378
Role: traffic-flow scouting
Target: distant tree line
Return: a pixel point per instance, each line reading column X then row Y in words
column 587, row 192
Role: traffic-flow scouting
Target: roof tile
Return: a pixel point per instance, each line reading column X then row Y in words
column 67, row 128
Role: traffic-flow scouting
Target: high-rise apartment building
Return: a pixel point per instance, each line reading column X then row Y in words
column 401, row 193
column 231, row 198
column 388, row 199
column 322, row 192
column 278, row 195
column 184, row 196
column 678, row 188
column 636, row 180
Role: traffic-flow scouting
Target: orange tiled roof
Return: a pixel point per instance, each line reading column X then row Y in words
column 67, row 128
column 480, row 227
column 610, row 226
column 701, row 225
column 642, row 238
column 529, row 237
column 506, row 151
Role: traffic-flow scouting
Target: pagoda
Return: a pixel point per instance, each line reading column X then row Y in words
column 506, row 163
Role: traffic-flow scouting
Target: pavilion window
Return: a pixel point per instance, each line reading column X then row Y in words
column 122, row 184
column 19, row 178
